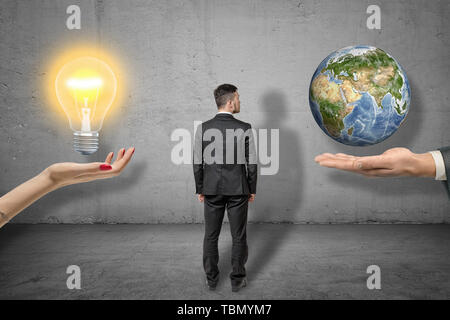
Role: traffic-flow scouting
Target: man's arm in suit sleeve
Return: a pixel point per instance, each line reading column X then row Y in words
column 445, row 151
column 251, row 159
column 198, row 160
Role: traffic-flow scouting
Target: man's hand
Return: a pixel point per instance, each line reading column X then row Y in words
column 201, row 197
column 392, row 163
column 251, row 198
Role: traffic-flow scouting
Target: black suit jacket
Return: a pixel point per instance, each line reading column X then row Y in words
column 446, row 155
column 227, row 166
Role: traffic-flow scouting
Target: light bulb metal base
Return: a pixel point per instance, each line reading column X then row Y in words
column 85, row 142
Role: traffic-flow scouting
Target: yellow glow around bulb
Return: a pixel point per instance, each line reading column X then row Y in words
column 86, row 83
column 86, row 88
column 57, row 59
column 85, row 104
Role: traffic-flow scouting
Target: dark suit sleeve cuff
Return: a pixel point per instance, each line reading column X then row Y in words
column 445, row 151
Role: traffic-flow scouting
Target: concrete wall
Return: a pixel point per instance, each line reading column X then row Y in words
column 174, row 54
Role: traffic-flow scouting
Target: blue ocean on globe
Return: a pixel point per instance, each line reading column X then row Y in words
column 359, row 95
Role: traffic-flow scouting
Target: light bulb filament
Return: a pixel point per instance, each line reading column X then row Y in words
column 87, row 90
column 86, row 120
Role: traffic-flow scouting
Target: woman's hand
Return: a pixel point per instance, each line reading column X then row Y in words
column 67, row 173
column 59, row 175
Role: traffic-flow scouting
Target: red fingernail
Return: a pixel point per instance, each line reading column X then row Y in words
column 105, row 167
column 123, row 152
column 133, row 151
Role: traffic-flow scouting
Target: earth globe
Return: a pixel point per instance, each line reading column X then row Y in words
column 359, row 95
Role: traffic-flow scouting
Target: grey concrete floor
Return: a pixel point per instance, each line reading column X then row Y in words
column 285, row 261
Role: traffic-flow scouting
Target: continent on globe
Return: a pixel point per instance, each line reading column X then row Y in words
column 359, row 95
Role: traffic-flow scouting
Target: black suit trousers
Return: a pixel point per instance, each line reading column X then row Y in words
column 214, row 209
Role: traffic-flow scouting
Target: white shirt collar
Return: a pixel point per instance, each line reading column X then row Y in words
column 224, row 112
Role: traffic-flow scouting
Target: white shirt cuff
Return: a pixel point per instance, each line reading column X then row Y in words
column 440, row 166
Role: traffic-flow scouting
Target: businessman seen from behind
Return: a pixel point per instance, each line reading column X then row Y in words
column 225, row 171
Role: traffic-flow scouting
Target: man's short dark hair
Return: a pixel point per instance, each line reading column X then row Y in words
column 224, row 93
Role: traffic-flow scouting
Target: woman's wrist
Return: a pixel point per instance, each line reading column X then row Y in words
column 25, row 194
column 48, row 179
column 46, row 182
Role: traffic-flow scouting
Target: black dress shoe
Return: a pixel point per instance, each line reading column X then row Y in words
column 239, row 286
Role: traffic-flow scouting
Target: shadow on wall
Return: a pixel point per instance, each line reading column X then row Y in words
column 278, row 196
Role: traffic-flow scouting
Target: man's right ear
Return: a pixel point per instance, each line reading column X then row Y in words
column 232, row 105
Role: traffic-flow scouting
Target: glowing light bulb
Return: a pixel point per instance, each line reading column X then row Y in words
column 86, row 88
